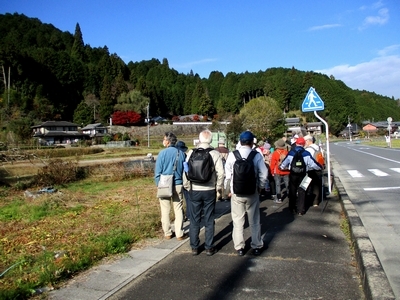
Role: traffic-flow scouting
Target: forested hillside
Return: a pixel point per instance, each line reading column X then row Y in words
column 53, row 75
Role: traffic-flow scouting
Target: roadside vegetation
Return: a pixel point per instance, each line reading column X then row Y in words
column 47, row 238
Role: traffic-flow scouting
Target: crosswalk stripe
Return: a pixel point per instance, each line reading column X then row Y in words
column 395, row 169
column 355, row 173
column 378, row 172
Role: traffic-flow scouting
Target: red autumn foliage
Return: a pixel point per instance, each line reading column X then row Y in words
column 125, row 117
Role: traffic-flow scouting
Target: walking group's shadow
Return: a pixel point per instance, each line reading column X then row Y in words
column 273, row 218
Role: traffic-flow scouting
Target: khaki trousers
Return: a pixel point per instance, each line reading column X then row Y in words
column 177, row 204
column 239, row 206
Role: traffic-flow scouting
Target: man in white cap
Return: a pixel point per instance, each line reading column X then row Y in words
column 293, row 141
column 316, row 175
column 224, row 194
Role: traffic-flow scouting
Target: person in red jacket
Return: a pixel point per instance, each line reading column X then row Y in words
column 279, row 175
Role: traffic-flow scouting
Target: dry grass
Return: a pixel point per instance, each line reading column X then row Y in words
column 51, row 237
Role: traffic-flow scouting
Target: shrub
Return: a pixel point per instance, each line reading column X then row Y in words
column 58, row 171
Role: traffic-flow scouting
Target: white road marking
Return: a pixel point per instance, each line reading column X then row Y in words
column 395, row 169
column 378, row 172
column 382, row 188
column 378, row 156
column 355, row 173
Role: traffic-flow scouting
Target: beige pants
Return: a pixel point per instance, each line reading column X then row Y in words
column 239, row 207
column 177, row 204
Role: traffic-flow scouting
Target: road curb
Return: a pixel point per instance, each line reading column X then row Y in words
column 373, row 278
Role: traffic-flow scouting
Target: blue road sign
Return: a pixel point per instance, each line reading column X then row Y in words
column 312, row 102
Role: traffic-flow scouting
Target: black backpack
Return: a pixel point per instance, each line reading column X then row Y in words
column 298, row 166
column 201, row 165
column 244, row 176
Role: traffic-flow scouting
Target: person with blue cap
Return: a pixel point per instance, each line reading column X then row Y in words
column 246, row 203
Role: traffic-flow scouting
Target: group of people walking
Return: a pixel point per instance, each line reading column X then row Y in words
column 227, row 178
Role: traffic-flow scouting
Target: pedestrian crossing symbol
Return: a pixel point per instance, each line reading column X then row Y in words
column 312, row 102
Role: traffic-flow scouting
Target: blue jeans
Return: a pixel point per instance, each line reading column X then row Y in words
column 202, row 201
column 278, row 182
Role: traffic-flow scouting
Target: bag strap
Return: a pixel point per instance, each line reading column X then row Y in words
column 237, row 154
column 176, row 161
column 251, row 155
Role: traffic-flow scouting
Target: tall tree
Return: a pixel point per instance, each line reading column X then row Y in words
column 83, row 115
column 106, row 101
column 78, row 47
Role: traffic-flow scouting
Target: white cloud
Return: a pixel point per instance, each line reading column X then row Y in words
column 322, row 27
column 380, row 19
column 375, row 5
column 380, row 75
column 193, row 63
column 387, row 50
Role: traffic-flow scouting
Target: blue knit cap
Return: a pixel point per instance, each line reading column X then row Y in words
column 246, row 136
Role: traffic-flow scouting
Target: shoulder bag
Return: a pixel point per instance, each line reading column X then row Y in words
column 166, row 183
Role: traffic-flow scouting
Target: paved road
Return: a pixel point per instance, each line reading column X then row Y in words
column 305, row 257
column 371, row 177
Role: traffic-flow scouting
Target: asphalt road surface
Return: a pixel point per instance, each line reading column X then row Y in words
column 371, row 177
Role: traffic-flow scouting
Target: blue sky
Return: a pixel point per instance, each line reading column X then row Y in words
column 356, row 41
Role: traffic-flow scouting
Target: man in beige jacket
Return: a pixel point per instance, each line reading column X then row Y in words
column 203, row 198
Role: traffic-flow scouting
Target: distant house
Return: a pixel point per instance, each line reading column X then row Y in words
column 370, row 128
column 293, row 126
column 58, row 132
column 352, row 129
column 96, row 132
column 314, row 128
column 382, row 125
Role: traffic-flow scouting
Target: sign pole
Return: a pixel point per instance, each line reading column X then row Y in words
column 313, row 102
column 327, row 150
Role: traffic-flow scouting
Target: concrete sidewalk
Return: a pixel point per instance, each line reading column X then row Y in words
column 305, row 257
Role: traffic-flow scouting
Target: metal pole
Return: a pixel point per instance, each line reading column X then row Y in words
column 327, row 151
column 148, row 126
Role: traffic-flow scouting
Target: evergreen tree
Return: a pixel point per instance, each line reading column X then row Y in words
column 78, row 47
column 83, row 115
column 206, row 107
column 106, row 102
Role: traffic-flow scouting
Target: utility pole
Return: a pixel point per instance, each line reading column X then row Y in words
column 349, row 126
column 7, row 86
column 148, row 126
column 9, row 79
